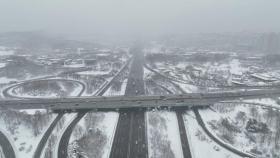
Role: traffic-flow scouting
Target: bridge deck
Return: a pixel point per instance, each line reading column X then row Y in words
column 119, row 102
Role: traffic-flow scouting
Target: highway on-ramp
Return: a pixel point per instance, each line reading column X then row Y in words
column 6, row 93
column 64, row 141
column 6, row 146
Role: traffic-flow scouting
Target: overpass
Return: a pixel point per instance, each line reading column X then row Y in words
column 102, row 103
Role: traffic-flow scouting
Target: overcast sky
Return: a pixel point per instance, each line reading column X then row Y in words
column 140, row 16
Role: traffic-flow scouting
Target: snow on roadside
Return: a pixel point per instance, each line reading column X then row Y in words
column 50, row 149
column 266, row 101
column 10, row 139
column 112, row 92
column 236, row 124
column 5, row 52
column 1, row 153
column 163, row 135
column 2, row 65
column 201, row 145
column 5, row 80
column 77, row 89
column 188, row 88
column 94, row 73
column 25, row 134
column 95, row 132
column 147, row 73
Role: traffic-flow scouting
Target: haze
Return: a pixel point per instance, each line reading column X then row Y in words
column 139, row 16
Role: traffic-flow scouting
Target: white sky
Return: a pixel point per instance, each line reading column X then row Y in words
column 140, row 16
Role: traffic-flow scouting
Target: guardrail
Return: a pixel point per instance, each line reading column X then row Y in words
column 132, row 102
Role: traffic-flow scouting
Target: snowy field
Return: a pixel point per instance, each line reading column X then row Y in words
column 5, row 80
column 163, row 135
column 46, row 89
column 2, row 65
column 1, row 153
column 200, row 144
column 117, row 90
column 94, row 73
column 247, row 127
column 5, row 52
column 93, row 135
column 26, row 130
column 51, row 147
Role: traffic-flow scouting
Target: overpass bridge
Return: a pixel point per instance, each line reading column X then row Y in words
column 102, row 103
column 131, row 113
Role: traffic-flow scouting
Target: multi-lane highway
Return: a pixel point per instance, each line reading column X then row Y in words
column 134, row 102
column 64, row 141
column 183, row 135
column 6, row 146
column 130, row 136
column 46, row 136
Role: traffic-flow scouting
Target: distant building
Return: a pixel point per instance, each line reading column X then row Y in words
column 269, row 43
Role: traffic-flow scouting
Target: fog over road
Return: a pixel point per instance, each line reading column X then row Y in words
column 130, row 137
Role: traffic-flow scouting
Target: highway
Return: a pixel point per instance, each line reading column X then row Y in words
column 44, row 139
column 130, row 136
column 8, row 150
column 64, row 141
column 46, row 136
column 181, row 125
column 133, row 102
column 183, row 135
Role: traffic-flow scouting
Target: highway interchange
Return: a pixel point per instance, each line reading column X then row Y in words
column 130, row 139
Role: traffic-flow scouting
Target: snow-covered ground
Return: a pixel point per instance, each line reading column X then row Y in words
column 156, row 81
column 200, row 144
column 50, row 149
column 26, row 130
column 1, row 153
column 233, row 66
column 113, row 92
column 93, row 135
column 2, row 65
column 49, row 89
column 94, row 73
column 4, row 51
column 246, row 127
column 188, row 88
column 163, row 135
column 5, row 80
column 265, row 101
column 74, row 65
